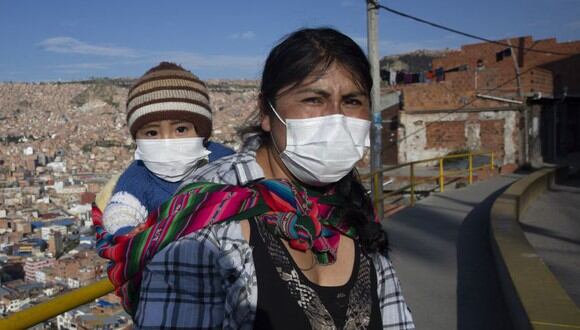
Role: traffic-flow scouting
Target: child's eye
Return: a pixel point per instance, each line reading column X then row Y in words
column 151, row 133
column 182, row 129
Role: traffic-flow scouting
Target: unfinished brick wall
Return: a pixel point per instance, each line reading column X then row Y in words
column 563, row 67
column 459, row 89
column 442, row 96
column 446, row 134
column 491, row 133
column 425, row 135
column 538, row 80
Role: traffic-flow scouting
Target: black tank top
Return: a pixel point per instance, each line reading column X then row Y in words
column 286, row 296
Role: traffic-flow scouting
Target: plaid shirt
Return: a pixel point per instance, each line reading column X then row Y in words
column 207, row 280
column 237, row 169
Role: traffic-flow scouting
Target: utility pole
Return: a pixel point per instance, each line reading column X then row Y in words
column 377, row 125
column 525, row 111
column 517, row 69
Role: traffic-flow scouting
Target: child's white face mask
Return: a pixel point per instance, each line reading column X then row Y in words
column 171, row 159
column 322, row 150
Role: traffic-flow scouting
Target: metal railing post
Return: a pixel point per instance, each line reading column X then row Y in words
column 441, row 177
column 470, row 168
column 412, row 178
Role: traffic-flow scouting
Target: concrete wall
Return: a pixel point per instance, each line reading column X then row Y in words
column 427, row 135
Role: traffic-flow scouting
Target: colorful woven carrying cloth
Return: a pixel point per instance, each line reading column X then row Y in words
column 306, row 220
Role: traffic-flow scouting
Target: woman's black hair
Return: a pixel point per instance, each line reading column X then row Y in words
column 358, row 211
column 311, row 51
column 308, row 52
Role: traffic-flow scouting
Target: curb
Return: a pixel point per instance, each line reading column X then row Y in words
column 534, row 297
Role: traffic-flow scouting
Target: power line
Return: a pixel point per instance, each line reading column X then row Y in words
column 469, row 35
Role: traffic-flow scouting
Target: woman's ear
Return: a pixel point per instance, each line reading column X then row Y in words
column 264, row 115
column 265, row 122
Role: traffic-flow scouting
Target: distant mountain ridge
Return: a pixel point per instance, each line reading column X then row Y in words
column 214, row 85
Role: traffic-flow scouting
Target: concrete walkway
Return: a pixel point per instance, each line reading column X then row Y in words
column 552, row 226
column 442, row 255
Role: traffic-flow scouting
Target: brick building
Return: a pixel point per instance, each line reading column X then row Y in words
column 523, row 105
column 33, row 265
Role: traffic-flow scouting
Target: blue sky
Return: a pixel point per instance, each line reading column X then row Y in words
column 48, row 40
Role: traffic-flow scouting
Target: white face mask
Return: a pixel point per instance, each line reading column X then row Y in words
column 171, row 159
column 322, row 150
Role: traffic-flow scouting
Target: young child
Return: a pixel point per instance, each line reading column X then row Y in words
column 169, row 116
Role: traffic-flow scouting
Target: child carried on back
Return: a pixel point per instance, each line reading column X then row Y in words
column 169, row 116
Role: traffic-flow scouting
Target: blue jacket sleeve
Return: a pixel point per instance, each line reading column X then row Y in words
column 218, row 151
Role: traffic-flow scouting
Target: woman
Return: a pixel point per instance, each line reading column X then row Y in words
column 298, row 246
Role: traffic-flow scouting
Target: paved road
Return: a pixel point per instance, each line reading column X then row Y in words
column 442, row 254
column 552, row 226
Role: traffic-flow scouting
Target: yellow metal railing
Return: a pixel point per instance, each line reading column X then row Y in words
column 414, row 181
column 56, row 306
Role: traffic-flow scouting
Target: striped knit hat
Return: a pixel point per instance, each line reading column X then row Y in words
column 168, row 91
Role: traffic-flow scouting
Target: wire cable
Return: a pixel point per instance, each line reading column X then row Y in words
column 469, row 35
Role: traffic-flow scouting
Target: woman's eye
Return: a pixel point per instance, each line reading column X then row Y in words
column 312, row 100
column 151, row 133
column 355, row 102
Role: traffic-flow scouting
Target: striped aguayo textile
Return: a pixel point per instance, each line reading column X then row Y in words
column 307, row 222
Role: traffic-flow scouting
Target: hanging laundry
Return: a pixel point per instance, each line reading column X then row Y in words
column 393, row 77
column 422, row 77
column 408, row 78
column 400, row 77
column 414, row 78
column 440, row 74
column 385, row 75
column 430, row 75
